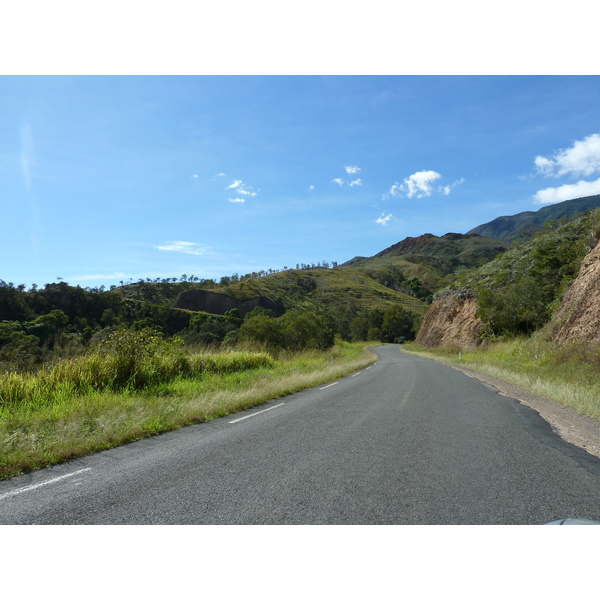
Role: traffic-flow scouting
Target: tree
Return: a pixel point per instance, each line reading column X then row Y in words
column 234, row 317
column 47, row 327
column 259, row 310
column 262, row 329
column 397, row 322
column 307, row 330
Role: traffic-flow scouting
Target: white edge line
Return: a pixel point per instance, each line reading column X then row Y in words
column 326, row 386
column 38, row 485
column 256, row 413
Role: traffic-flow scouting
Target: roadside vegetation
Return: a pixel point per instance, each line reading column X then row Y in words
column 135, row 384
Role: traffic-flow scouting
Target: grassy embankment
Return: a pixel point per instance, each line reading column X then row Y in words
column 137, row 386
column 567, row 374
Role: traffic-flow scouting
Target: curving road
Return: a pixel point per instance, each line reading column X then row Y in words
column 407, row 441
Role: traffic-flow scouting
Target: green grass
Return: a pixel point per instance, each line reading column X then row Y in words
column 62, row 412
column 567, row 373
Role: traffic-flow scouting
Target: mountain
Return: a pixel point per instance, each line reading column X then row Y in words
column 526, row 224
column 428, row 258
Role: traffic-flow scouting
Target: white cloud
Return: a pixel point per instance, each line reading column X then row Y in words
column 383, row 219
column 237, row 200
column 446, row 189
column 311, row 188
column 184, row 248
column 567, row 192
column 395, row 190
column 241, row 188
column 583, row 158
column 341, row 182
column 351, row 169
column 420, row 184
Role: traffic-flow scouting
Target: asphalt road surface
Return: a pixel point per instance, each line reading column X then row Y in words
column 406, row 441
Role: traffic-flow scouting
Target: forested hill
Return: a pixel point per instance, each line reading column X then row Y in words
column 526, row 224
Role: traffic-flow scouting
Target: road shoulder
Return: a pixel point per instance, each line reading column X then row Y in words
column 571, row 426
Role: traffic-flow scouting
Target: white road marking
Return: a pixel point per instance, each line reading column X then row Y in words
column 355, row 374
column 256, row 413
column 38, row 485
column 326, row 386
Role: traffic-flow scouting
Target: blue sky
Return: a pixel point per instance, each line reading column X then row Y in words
column 109, row 178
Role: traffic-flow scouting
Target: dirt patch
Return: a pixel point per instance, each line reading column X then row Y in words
column 578, row 317
column 577, row 429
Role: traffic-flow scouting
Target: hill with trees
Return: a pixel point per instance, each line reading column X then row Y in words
column 516, row 294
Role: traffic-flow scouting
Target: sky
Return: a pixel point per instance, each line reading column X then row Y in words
column 115, row 178
column 157, row 143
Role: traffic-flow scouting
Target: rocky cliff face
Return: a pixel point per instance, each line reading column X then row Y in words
column 451, row 321
column 578, row 317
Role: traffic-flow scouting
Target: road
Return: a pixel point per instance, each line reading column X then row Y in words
column 406, row 441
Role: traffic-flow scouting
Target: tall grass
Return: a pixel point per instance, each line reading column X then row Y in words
column 84, row 376
column 567, row 373
column 105, row 399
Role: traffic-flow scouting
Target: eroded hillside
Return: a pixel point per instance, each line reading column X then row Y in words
column 551, row 282
column 578, row 318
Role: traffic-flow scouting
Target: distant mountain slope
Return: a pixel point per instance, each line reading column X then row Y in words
column 324, row 288
column 525, row 224
column 428, row 258
column 466, row 249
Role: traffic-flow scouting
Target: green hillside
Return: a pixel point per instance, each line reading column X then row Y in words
column 518, row 292
column 326, row 288
column 526, row 224
column 426, row 260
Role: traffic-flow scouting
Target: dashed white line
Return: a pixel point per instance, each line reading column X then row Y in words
column 355, row 374
column 256, row 413
column 39, row 485
column 326, row 386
